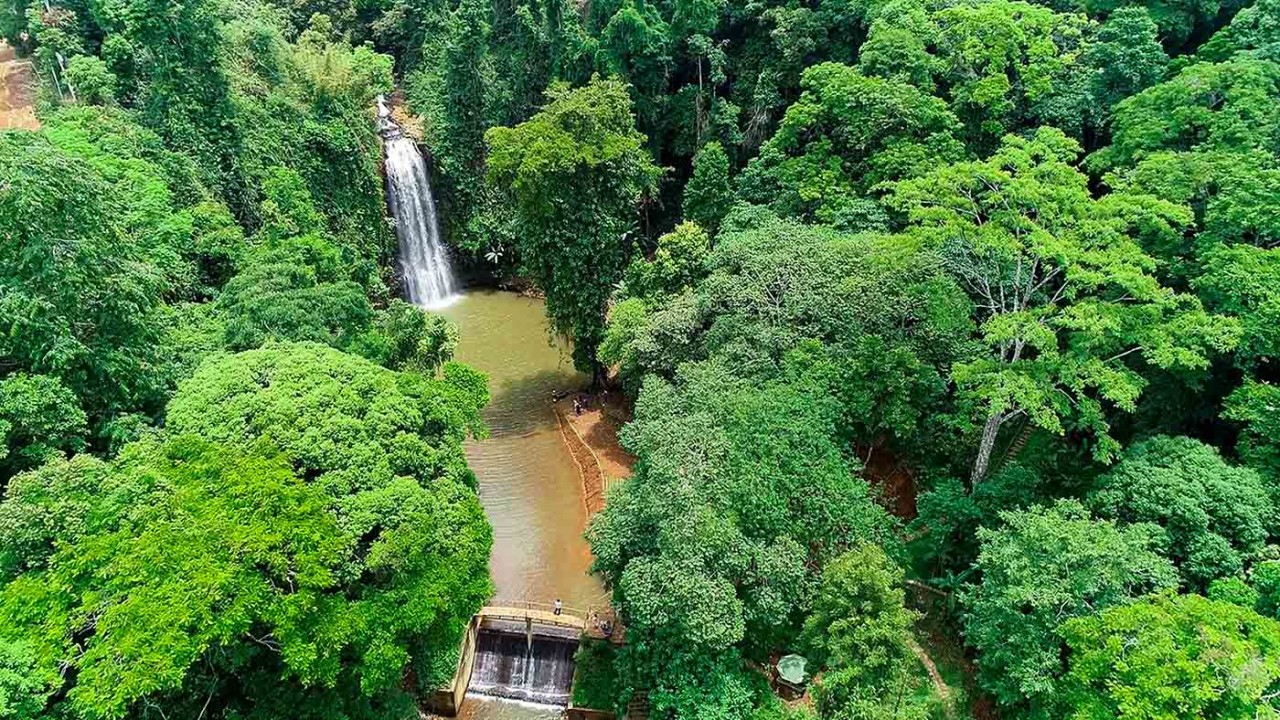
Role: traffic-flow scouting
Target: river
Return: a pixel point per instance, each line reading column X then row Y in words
column 529, row 483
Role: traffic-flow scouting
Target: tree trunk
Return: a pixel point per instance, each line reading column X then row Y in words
column 989, row 433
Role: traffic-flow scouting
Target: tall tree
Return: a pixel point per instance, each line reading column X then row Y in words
column 1043, row 567
column 575, row 172
column 1063, row 291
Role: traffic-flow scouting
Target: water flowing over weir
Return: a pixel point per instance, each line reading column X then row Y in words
column 513, row 665
column 428, row 276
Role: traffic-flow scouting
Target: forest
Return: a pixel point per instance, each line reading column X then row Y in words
column 945, row 328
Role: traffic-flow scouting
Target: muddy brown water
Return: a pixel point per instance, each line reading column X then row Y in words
column 529, row 484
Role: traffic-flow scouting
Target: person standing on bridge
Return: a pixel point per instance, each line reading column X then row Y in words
column 559, row 606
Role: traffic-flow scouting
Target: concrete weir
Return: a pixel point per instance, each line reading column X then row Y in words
column 518, row 653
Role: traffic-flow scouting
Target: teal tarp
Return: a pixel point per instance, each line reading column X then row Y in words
column 791, row 669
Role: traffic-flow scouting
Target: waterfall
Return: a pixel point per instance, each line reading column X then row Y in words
column 508, row 665
column 424, row 261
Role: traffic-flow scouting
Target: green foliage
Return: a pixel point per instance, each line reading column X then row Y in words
column 1240, row 280
column 203, row 559
column 460, row 136
column 185, row 91
column 39, row 416
column 405, row 337
column 679, row 261
column 193, row 566
column 1223, row 106
column 860, row 631
column 1214, row 515
column 1235, row 591
column 24, row 687
column 1253, row 31
column 1127, row 56
column 78, row 301
column 708, row 195
column 1063, row 290
column 870, row 320
column 595, row 680
column 95, row 84
column 1173, row 657
column 321, row 539
column 1266, row 580
column 845, row 135
column 1253, row 405
column 1180, row 22
column 741, row 490
column 582, row 145
column 346, row 423
column 292, row 290
column 1000, row 65
column 1043, row 567
column 950, row 514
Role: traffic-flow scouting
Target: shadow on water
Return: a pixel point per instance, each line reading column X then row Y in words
column 514, row 409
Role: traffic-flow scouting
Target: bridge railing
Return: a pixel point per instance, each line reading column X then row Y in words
column 594, row 621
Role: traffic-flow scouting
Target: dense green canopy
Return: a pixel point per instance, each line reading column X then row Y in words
column 947, row 330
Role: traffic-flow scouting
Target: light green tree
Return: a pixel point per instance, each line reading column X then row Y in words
column 1063, row 291
column 860, row 631
column 1174, row 657
column 39, row 417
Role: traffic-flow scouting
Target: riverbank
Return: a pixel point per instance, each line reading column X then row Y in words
column 17, row 91
column 591, row 435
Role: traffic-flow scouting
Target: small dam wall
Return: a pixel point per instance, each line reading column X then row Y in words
column 519, row 653
column 524, row 662
column 447, row 700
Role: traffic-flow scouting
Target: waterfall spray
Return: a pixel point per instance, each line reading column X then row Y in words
column 424, row 261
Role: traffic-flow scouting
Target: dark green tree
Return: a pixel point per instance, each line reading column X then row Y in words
column 1126, row 56
column 845, row 135
column 1215, row 515
column 583, row 145
column 708, row 194
column 79, row 302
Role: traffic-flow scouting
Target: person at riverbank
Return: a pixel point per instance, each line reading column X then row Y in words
column 559, row 606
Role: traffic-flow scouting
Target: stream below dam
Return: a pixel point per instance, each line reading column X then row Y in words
column 529, row 483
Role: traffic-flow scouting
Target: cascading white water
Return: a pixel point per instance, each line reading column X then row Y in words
column 511, row 665
column 428, row 276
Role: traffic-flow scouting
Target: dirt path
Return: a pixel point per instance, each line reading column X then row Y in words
column 939, row 685
column 17, row 91
column 592, row 437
